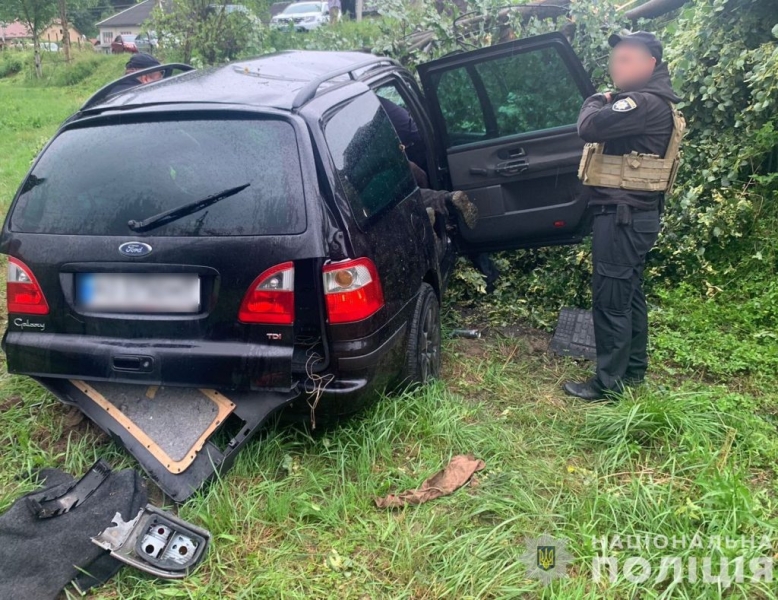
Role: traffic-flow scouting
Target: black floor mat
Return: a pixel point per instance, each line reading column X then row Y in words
column 574, row 335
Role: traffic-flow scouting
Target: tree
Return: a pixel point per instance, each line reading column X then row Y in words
column 84, row 14
column 36, row 15
column 66, row 8
column 203, row 29
column 63, row 21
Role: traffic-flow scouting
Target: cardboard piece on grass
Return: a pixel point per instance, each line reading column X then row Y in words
column 456, row 474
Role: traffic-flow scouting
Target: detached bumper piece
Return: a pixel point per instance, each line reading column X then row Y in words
column 47, row 505
column 170, row 430
column 156, row 542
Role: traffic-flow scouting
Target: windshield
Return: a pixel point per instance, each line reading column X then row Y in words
column 303, row 7
column 94, row 180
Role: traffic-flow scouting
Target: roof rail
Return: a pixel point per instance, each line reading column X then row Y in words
column 308, row 92
column 104, row 92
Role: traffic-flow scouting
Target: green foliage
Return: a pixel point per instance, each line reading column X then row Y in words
column 36, row 15
column 724, row 59
column 87, row 68
column 75, row 73
column 724, row 332
column 11, row 63
column 525, row 290
column 202, row 32
column 346, row 35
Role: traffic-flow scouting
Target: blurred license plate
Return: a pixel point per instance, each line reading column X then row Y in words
column 146, row 293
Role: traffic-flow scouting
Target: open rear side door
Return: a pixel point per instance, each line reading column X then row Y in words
column 506, row 120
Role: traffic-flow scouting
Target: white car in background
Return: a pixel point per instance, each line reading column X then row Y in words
column 302, row 16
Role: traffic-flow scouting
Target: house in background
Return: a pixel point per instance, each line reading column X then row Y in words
column 16, row 33
column 53, row 33
column 127, row 22
column 13, row 34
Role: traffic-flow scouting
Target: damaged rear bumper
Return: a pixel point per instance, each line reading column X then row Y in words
column 228, row 365
column 173, row 437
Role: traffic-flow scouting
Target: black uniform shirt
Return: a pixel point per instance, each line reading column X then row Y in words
column 639, row 121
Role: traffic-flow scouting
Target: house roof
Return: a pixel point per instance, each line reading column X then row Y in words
column 130, row 17
column 16, row 30
column 19, row 31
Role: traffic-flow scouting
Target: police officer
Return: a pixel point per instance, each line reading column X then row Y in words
column 627, row 201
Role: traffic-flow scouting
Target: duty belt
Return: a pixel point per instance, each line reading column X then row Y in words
column 634, row 171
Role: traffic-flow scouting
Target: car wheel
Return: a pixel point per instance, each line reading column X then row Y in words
column 422, row 356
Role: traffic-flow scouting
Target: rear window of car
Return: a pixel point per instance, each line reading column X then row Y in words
column 94, row 180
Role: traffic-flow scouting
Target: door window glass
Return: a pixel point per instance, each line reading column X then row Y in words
column 519, row 93
column 458, row 100
column 368, row 156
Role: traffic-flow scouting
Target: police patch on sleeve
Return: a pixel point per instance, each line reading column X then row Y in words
column 624, row 105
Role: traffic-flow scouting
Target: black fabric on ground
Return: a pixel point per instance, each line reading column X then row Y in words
column 39, row 557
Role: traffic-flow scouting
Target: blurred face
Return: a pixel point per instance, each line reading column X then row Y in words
column 148, row 78
column 631, row 66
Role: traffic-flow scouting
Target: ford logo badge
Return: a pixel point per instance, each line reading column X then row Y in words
column 134, row 249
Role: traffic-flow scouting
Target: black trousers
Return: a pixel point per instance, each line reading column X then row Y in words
column 619, row 252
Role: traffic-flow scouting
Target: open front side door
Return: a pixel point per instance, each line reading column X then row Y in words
column 506, row 120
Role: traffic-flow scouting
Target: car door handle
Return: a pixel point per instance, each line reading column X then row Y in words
column 512, row 167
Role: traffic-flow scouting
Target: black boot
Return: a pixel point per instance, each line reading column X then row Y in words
column 588, row 391
column 632, row 381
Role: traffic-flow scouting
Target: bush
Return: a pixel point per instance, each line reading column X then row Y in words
column 86, row 68
column 76, row 72
column 11, row 63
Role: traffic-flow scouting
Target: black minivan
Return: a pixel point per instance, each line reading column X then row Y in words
column 256, row 229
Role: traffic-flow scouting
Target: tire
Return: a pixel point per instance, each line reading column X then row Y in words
column 422, row 354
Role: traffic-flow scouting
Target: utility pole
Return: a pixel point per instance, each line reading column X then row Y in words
column 360, row 5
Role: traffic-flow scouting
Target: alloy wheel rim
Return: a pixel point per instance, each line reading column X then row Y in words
column 429, row 344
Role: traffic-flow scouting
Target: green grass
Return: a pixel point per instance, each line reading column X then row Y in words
column 694, row 451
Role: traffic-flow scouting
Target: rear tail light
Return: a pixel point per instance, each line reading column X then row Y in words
column 352, row 290
column 23, row 293
column 270, row 299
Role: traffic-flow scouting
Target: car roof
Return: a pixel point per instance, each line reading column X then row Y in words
column 293, row 4
column 284, row 80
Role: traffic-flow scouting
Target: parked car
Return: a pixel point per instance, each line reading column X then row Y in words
column 302, row 16
column 269, row 241
column 49, row 47
column 146, row 42
column 123, row 43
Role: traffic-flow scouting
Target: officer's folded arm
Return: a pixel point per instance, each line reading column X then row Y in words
column 600, row 121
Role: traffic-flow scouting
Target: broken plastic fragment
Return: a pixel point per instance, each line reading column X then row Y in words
column 156, row 542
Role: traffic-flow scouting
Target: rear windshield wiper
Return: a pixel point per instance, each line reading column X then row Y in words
column 174, row 214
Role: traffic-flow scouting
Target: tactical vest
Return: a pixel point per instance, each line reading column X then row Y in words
column 645, row 172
